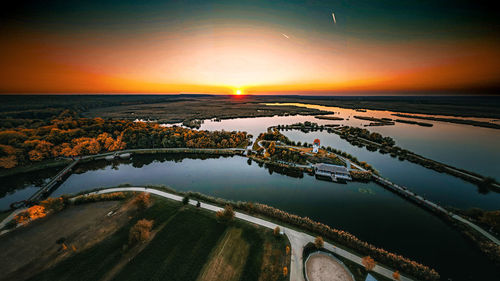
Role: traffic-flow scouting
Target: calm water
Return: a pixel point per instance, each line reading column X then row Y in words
column 364, row 209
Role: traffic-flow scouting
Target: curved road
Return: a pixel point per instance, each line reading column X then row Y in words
column 297, row 239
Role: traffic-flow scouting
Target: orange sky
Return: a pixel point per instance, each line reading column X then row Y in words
column 257, row 58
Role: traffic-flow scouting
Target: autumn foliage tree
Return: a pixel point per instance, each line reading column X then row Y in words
column 285, row 271
column 33, row 213
column 8, row 156
column 142, row 200
column 271, row 149
column 396, row 275
column 70, row 137
column 276, row 231
column 318, row 242
column 368, row 263
column 140, row 232
column 53, row 204
column 225, row 215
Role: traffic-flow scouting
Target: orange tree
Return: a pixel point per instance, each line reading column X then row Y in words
column 68, row 136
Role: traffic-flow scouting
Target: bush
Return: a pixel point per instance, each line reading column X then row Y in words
column 225, row 215
column 33, row 213
column 368, row 262
column 318, row 242
column 54, row 204
column 276, row 231
column 185, row 200
column 140, row 232
column 142, row 200
column 99, row 197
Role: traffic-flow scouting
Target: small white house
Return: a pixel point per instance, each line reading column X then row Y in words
column 316, row 144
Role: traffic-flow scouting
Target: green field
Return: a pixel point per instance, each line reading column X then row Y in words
column 187, row 243
column 178, row 251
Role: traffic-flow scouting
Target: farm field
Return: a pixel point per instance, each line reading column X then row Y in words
column 186, row 243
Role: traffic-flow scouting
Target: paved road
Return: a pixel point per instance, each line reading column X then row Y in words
column 297, row 239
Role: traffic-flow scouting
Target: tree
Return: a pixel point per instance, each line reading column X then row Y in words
column 368, row 262
column 35, row 155
column 225, row 215
column 53, row 204
column 271, row 149
column 396, row 275
column 285, row 271
column 140, row 232
column 318, row 242
column 287, row 250
column 142, row 200
column 33, row 213
column 198, row 204
column 8, row 162
column 185, row 200
column 276, row 231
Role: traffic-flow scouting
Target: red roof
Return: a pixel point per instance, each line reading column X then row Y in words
column 316, row 141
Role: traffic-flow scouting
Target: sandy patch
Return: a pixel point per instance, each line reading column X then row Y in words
column 322, row 267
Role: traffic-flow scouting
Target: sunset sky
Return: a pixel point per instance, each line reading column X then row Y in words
column 256, row 46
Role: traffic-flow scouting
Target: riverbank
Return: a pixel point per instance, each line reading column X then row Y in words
column 53, row 163
column 452, row 120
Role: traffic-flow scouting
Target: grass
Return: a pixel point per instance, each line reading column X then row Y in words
column 189, row 244
column 251, row 252
column 274, row 257
column 94, row 263
column 228, row 258
column 178, row 251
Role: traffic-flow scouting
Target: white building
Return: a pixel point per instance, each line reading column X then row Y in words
column 315, row 146
column 335, row 172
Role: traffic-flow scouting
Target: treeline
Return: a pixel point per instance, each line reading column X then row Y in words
column 286, row 155
column 488, row 219
column 405, row 265
column 347, row 131
column 452, row 120
column 38, row 110
column 274, row 135
column 67, row 136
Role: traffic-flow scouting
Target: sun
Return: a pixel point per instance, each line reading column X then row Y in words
column 238, row 92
